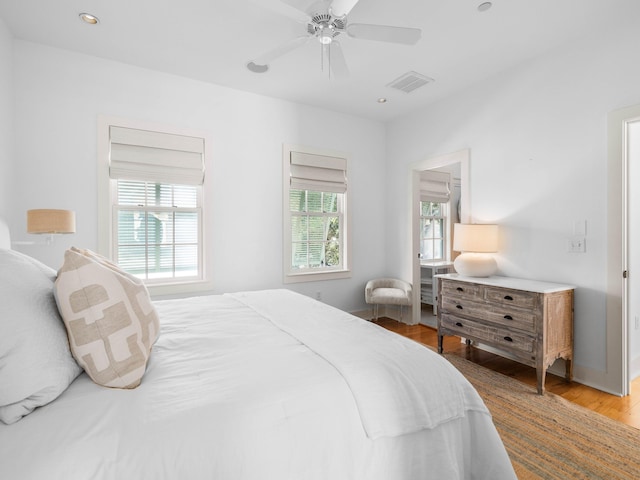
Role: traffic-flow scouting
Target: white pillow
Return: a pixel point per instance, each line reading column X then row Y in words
column 36, row 365
column 110, row 320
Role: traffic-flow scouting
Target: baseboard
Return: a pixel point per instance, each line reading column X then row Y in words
column 388, row 311
column 364, row 314
column 634, row 368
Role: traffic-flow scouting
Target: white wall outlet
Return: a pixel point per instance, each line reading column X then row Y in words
column 637, row 322
column 577, row 245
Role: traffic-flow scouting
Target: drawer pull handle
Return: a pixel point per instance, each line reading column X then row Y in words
column 508, row 339
column 460, row 289
column 508, row 317
column 508, row 297
column 459, row 307
column 458, row 324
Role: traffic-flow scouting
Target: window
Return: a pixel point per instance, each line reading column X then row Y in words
column 152, row 208
column 434, row 209
column 316, row 220
column 433, row 217
column 157, row 230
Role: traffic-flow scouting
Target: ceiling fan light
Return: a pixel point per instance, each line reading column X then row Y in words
column 325, row 39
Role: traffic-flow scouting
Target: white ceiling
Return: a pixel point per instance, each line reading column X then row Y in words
column 212, row 40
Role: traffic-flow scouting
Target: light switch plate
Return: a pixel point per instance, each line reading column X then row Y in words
column 577, row 245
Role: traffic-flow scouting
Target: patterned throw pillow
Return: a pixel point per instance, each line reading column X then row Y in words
column 110, row 320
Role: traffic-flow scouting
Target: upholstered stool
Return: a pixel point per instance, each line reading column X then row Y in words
column 388, row 291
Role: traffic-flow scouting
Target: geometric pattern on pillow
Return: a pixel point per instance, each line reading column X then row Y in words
column 110, row 319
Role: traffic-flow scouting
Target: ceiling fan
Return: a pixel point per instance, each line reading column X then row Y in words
column 326, row 21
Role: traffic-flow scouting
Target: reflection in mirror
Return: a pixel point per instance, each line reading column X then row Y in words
column 432, row 238
column 440, row 205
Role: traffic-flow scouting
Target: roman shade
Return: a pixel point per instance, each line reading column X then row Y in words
column 434, row 186
column 155, row 156
column 318, row 172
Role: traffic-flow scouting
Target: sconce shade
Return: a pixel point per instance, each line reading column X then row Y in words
column 475, row 238
column 51, row 221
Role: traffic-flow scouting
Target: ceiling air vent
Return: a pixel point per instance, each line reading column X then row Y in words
column 409, row 82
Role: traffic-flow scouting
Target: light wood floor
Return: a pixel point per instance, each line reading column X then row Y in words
column 624, row 409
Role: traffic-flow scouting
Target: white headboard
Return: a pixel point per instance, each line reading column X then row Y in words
column 5, row 238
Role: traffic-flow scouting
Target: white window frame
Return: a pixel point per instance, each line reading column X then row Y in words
column 107, row 207
column 444, row 216
column 329, row 273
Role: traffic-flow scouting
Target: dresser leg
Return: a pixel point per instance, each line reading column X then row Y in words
column 439, row 343
column 568, row 365
column 541, row 373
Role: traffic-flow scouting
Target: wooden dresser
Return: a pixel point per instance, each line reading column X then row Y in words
column 531, row 321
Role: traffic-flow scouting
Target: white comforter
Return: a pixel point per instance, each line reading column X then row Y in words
column 265, row 385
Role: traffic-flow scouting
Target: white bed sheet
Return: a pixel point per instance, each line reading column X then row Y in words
column 228, row 395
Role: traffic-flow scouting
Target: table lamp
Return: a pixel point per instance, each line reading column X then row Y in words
column 476, row 242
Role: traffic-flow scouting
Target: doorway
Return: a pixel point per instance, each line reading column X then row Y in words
column 460, row 160
column 623, row 306
column 633, row 254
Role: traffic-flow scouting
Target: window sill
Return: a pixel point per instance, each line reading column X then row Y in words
column 179, row 289
column 316, row 276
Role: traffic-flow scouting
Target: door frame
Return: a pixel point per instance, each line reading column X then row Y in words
column 460, row 156
column 616, row 375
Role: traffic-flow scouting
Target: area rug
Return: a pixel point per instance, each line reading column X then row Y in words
column 549, row 437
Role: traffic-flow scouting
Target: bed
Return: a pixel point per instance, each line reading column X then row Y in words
column 251, row 385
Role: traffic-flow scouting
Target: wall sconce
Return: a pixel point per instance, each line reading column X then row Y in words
column 476, row 243
column 51, row 222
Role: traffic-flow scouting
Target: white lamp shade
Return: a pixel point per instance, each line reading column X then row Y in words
column 477, row 238
column 49, row 221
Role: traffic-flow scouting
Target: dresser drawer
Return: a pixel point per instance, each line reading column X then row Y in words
column 463, row 306
column 469, row 291
column 511, row 318
column 502, row 337
column 507, row 316
column 516, row 298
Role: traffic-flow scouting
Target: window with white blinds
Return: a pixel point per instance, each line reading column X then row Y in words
column 315, row 212
column 433, row 230
column 156, row 197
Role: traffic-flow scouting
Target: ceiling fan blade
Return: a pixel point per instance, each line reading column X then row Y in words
column 308, row 6
column 384, row 33
column 267, row 57
column 340, row 8
column 338, row 62
column 284, row 9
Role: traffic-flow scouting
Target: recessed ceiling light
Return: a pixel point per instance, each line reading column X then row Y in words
column 483, row 7
column 382, row 100
column 256, row 68
column 88, row 18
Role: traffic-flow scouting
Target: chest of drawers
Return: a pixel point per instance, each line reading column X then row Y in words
column 531, row 321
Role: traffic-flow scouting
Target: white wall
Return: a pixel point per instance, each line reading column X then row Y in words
column 538, row 138
column 6, row 117
column 59, row 95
